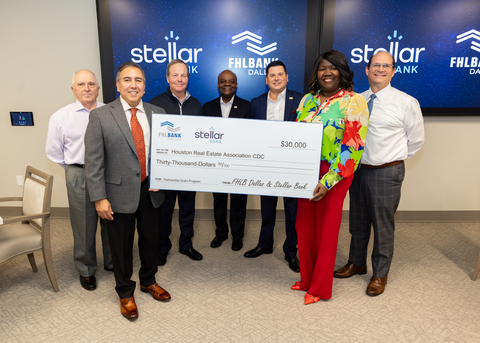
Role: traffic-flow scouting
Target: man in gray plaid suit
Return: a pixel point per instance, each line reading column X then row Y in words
column 395, row 133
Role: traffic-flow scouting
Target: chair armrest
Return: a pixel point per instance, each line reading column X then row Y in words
column 16, row 219
column 11, row 199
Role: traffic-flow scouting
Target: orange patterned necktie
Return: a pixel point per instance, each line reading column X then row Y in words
column 139, row 140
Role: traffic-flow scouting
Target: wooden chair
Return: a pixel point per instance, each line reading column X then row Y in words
column 31, row 231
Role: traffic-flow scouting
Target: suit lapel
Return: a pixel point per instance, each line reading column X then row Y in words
column 216, row 107
column 148, row 113
column 263, row 104
column 288, row 105
column 234, row 109
column 119, row 115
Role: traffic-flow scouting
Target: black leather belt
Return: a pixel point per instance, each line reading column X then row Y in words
column 394, row 163
column 77, row 165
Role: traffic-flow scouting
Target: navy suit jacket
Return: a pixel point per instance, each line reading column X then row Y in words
column 240, row 108
column 292, row 100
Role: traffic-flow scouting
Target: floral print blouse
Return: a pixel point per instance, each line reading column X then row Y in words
column 345, row 120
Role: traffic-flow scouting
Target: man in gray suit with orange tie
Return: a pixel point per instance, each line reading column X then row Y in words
column 117, row 143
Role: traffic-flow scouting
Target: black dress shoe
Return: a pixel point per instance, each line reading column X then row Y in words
column 217, row 241
column 192, row 254
column 237, row 244
column 108, row 269
column 89, row 282
column 162, row 258
column 293, row 263
column 257, row 252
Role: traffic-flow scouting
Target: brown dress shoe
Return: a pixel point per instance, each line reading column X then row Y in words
column 129, row 308
column 349, row 270
column 156, row 291
column 376, row 286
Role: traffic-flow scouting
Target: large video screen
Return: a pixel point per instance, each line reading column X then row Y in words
column 436, row 45
column 210, row 36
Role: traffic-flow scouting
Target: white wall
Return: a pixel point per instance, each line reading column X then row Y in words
column 44, row 42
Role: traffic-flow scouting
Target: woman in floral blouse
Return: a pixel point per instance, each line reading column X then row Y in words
column 344, row 115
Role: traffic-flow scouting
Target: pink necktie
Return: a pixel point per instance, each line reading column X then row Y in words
column 139, row 140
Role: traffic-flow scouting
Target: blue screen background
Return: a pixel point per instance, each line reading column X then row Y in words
column 433, row 25
column 210, row 26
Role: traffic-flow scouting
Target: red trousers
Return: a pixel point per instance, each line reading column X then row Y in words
column 318, row 224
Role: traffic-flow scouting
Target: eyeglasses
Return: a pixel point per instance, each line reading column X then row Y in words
column 378, row 65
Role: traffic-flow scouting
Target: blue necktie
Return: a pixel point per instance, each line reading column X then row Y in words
column 370, row 103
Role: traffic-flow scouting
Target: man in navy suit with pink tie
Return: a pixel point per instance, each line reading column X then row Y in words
column 279, row 103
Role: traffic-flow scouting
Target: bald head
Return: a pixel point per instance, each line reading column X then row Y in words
column 85, row 88
column 380, row 70
column 227, row 84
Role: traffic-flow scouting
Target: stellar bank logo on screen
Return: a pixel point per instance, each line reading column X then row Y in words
column 395, row 46
column 166, row 54
column 255, row 66
column 470, row 62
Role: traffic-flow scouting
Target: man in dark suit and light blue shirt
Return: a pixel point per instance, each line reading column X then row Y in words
column 228, row 105
column 116, row 168
column 280, row 104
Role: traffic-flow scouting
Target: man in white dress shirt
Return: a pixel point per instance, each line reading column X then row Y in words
column 65, row 146
column 395, row 133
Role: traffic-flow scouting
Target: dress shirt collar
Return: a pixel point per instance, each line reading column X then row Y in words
column 226, row 107
column 126, row 106
column 381, row 94
column 79, row 107
column 226, row 103
column 187, row 95
column 281, row 96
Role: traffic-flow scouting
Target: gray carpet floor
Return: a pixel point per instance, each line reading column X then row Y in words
column 228, row 298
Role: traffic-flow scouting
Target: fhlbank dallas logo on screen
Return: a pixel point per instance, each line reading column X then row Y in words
column 396, row 47
column 173, row 133
column 471, row 63
column 170, row 52
column 255, row 65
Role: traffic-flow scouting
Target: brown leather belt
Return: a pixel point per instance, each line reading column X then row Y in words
column 394, row 163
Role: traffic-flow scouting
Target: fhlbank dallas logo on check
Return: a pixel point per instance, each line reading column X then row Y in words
column 173, row 133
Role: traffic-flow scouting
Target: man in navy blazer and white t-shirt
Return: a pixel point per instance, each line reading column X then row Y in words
column 279, row 103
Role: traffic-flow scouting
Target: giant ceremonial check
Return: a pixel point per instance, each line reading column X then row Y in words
column 229, row 155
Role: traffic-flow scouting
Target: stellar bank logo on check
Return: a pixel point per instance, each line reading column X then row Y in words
column 210, row 134
column 172, row 131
